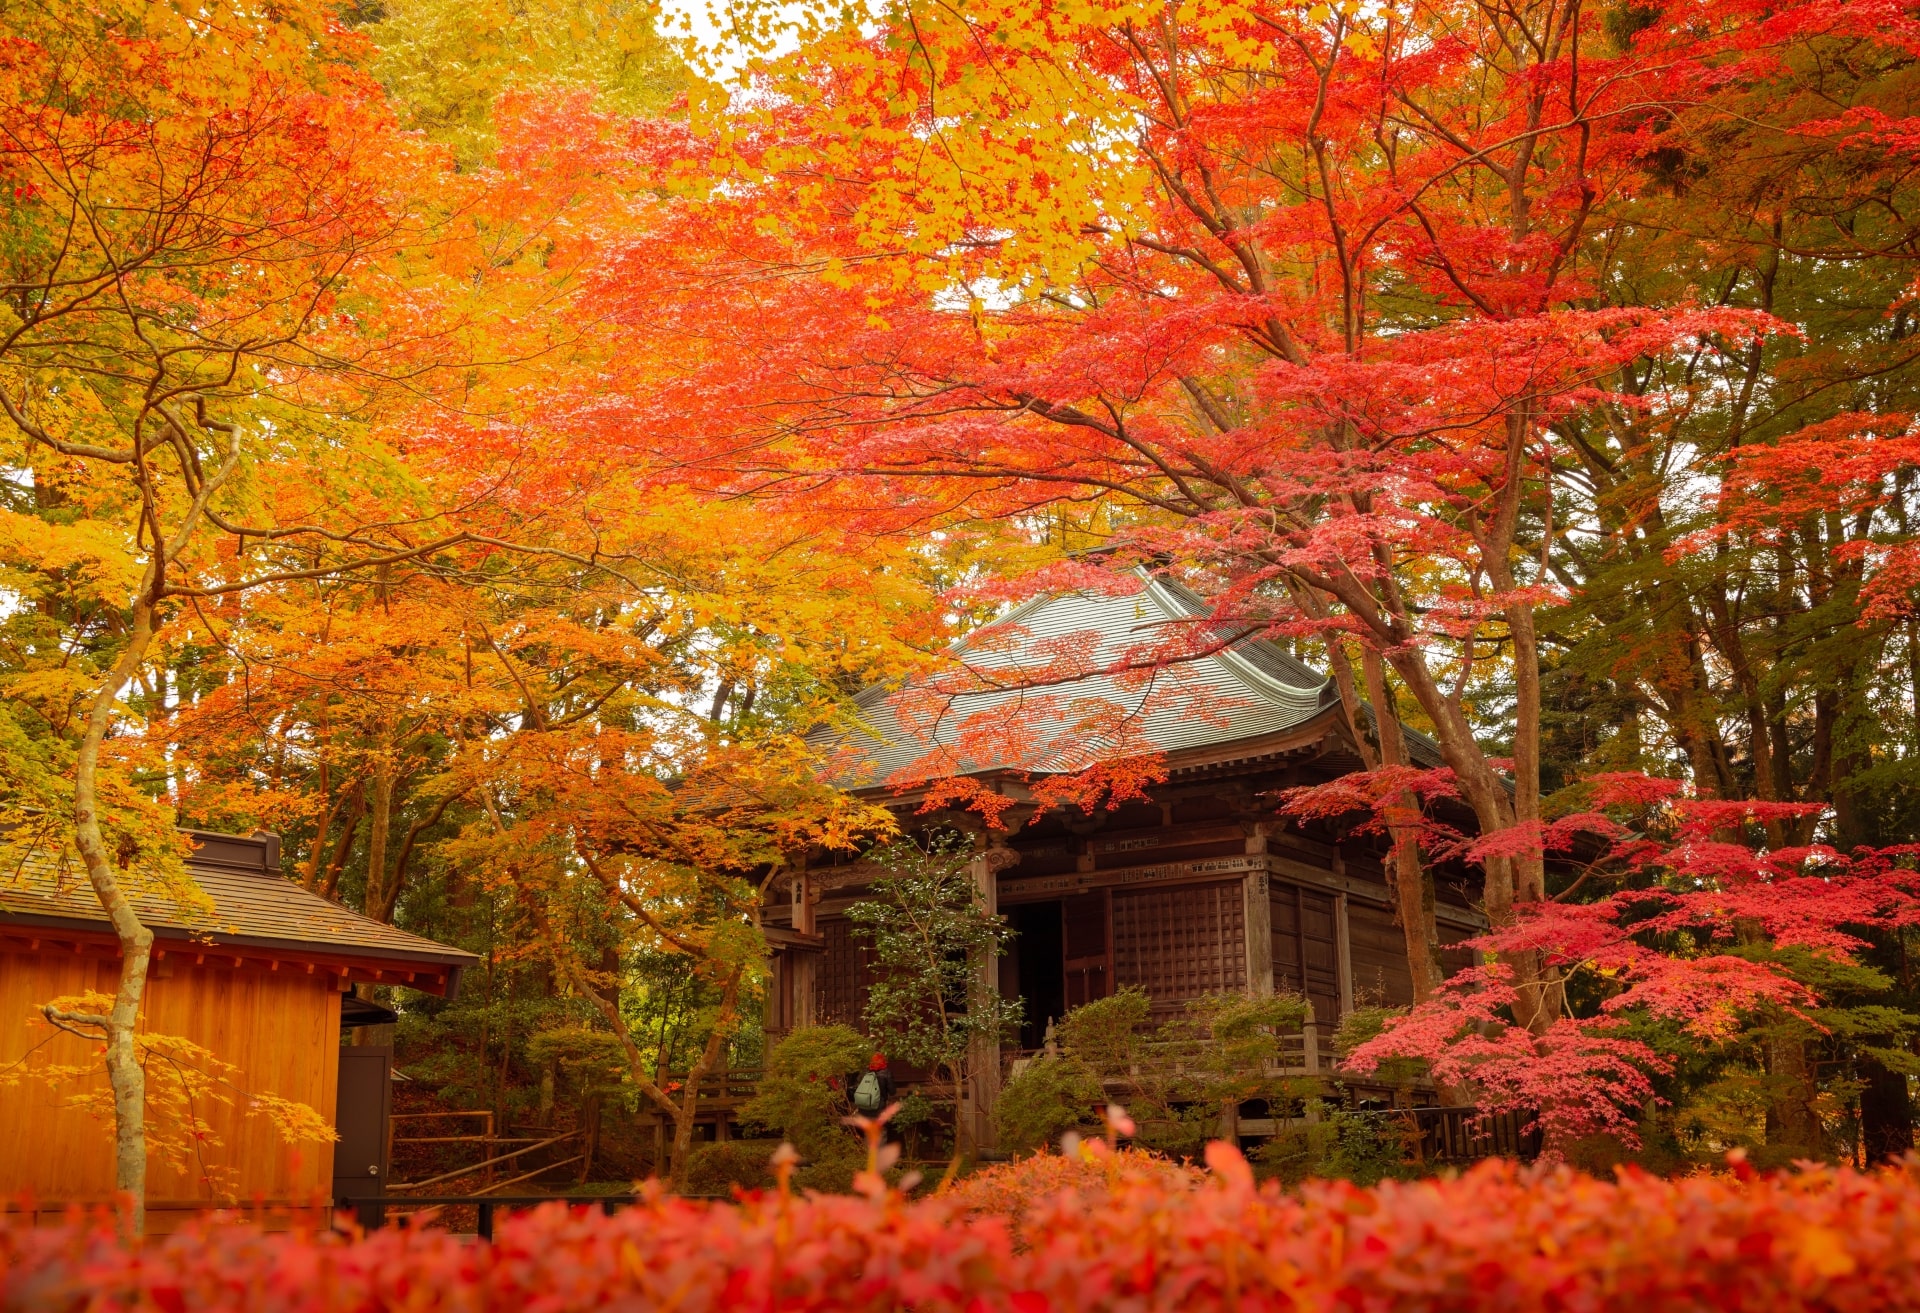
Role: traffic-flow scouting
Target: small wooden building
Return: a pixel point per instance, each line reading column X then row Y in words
column 1207, row 886
column 261, row 980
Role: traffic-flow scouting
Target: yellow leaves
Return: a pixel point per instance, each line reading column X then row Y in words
column 55, row 693
column 946, row 122
column 447, row 61
column 91, row 559
column 295, row 1122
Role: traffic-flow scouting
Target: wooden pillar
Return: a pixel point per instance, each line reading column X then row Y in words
column 803, row 966
column 983, row 1086
column 1259, row 921
column 1259, row 948
column 1343, row 949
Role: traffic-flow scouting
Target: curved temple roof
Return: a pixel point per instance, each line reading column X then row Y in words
column 1066, row 680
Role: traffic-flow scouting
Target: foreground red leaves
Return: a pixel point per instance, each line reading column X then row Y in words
column 1499, row 1237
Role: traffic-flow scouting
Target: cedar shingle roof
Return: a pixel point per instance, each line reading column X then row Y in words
column 253, row 905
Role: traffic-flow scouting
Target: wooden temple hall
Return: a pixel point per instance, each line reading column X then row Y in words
column 1207, row 887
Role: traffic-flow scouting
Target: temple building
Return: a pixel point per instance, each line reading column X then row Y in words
column 1205, row 886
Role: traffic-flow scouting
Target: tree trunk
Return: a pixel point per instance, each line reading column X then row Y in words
column 1886, row 1113
column 125, row 1076
column 683, row 1122
column 380, row 806
column 1413, row 882
column 356, row 808
column 1793, row 1128
column 1508, row 881
column 395, row 884
column 589, row 1136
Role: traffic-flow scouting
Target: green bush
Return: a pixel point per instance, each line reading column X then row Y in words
column 802, row 1099
column 1106, row 1033
column 1175, row 1078
column 1050, row 1096
column 1363, row 1024
column 1358, row 1145
column 714, row 1169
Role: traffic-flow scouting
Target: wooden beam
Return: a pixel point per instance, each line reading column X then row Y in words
column 1343, row 947
column 1259, row 924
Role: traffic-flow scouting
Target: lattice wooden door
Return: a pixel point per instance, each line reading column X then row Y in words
column 1181, row 943
column 841, row 979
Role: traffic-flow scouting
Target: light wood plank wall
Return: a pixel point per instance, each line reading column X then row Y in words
column 280, row 1028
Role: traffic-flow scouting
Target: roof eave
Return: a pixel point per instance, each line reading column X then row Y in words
column 292, row 949
column 1010, row 783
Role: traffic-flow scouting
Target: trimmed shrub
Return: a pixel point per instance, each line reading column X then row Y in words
column 715, row 1169
column 1500, row 1237
column 802, row 1098
column 1049, row 1097
column 1010, row 1190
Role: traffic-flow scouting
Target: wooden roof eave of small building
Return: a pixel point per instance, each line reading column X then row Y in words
column 428, row 972
column 252, row 915
column 779, row 936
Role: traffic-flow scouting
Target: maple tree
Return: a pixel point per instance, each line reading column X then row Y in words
column 1542, row 369
column 192, row 198
column 233, row 299
column 433, row 439
column 575, row 701
column 1705, row 937
column 1234, row 296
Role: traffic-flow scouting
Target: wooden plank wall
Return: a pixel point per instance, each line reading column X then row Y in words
column 281, row 1028
column 1306, row 947
column 1380, row 974
column 1379, row 948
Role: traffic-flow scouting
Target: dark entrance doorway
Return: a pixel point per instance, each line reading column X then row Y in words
column 1087, row 946
column 1038, row 950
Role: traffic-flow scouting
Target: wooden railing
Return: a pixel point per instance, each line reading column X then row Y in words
column 1308, row 1051
column 1463, row 1135
column 484, row 1174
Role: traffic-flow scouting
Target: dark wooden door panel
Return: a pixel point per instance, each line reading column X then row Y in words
column 843, row 975
column 360, row 1116
column 1087, row 949
column 1306, row 947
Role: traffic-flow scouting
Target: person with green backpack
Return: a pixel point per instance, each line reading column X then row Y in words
column 872, row 1090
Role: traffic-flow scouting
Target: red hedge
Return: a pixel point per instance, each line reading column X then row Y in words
column 1499, row 1237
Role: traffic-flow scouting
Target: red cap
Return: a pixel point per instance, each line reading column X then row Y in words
column 877, row 1062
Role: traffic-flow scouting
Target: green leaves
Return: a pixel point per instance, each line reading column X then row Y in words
column 930, row 1001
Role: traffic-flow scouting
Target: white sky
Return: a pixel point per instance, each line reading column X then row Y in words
column 703, row 20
